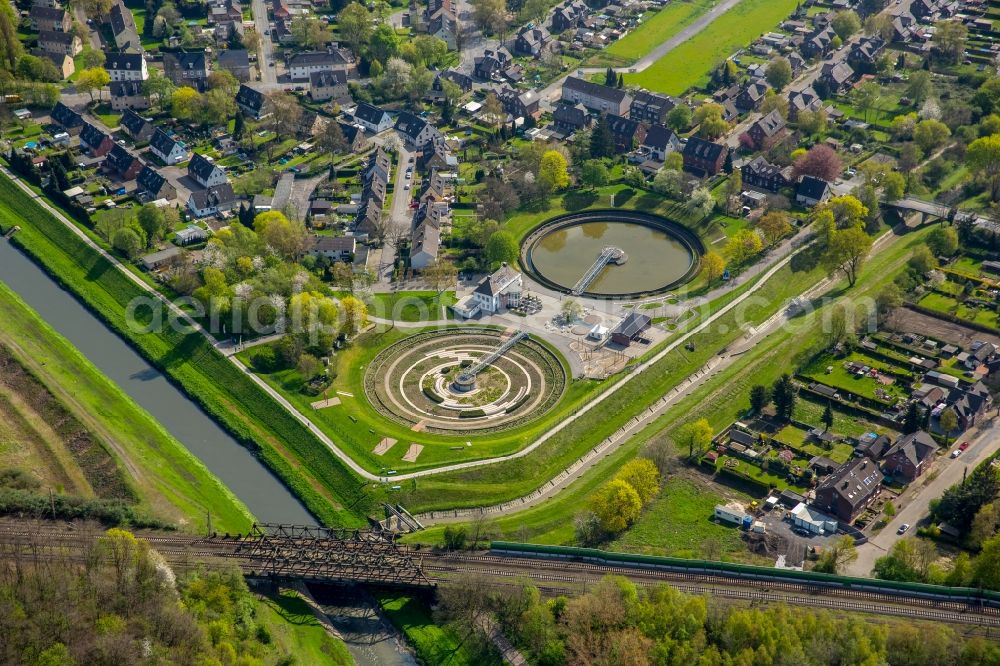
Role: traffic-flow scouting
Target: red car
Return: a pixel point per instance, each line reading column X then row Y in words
column 963, row 446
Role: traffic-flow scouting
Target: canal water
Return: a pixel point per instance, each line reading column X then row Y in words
column 263, row 493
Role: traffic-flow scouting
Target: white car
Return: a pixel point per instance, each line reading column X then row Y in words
column 956, row 453
column 406, row 187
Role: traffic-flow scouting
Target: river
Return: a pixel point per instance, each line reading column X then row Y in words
column 263, row 493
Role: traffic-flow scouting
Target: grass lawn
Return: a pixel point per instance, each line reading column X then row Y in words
column 658, row 28
column 412, row 306
column 172, row 484
column 679, row 523
column 691, row 62
column 800, row 440
column 948, row 305
column 434, row 644
column 848, row 425
column 285, row 445
column 295, row 630
column 841, row 378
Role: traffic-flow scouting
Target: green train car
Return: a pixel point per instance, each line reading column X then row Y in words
column 748, row 572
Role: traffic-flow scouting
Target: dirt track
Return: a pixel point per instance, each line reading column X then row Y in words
column 904, row 319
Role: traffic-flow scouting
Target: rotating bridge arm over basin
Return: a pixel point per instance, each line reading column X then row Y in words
column 466, row 381
column 609, row 255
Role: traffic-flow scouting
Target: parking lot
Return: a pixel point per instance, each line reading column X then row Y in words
column 797, row 539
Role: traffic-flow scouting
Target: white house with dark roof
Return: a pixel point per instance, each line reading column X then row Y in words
column 301, row 65
column 126, row 66
column 594, row 96
column 372, row 118
column 251, row 101
column 501, row 289
column 155, row 185
column 128, row 95
column 212, row 200
column 415, row 130
column 137, row 127
column 168, row 149
column 206, row 172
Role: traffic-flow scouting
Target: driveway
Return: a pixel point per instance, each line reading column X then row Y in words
column 983, row 442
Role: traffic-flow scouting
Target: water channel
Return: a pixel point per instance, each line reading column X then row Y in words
column 263, row 493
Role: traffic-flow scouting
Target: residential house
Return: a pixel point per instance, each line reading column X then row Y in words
column 873, row 445
column 851, row 489
column 372, row 118
column 596, row 97
column 167, row 148
column 981, row 353
column 95, row 141
column 135, row 126
column 224, row 10
column 190, row 234
column 187, row 68
column 812, row 191
column 50, row 19
column 803, row 99
column 63, row 62
column 660, row 141
column 122, row 25
column 819, row 44
column 569, row 15
column 463, row 81
column 970, row 404
column 59, row 42
column 751, row 96
column 425, row 242
column 155, row 185
column 355, row 136
column 206, row 172
column 704, row 158
column 501, row 289
column 866, row 52
column 67, row 118
column 236, row 62
column 435, row 154
column 628, row 134
column 126, row 66
column 761, row 174
column 251, row 101
column 123, row 163
column 415, row 130
column 280, row 10
column 767, row 130
column 649, row 107
column 128, row 95
column 301, row 65
column 569, row 118
column 531, row 41
column 519, row 104
column 443, row 23
column 329, row 85
column 492, row 64
column 212, row 200
column 838, row 76
column 910, row 456
column 334, row 248
column 226, row 32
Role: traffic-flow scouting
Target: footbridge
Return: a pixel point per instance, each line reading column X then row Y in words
column 466, row 381
column 931, row 210
column 609, row 255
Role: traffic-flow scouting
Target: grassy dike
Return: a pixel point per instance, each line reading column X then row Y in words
column 171, row 483
column 324, row 485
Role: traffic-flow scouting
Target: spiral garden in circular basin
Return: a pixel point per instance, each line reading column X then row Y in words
column 413, row 382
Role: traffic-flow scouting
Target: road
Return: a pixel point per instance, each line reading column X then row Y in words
column 81, row 18
column 268, row 74
column 983, row 442
column 400, row 217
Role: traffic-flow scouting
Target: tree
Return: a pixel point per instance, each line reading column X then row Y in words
column 930, row 134
column 846, row 252
column 128, row 242
column 355, row 314
column 158, row 88
column 10, row 43
column 713, row 265
column 616, row 505
column 354, row 24
column 286, row 237
column 775, row 225
column 185, row 102
column 986, row 570
column 701, row 202
column 679, row 118
column 643, row 475
column 919, row 87
column 779, row 73
column 501, row 247
column 610, row 78
column 696, row 436
column 709, row 119
column 668, row 181
column 383, row 43
column 913, row 419
column 94, row 78
column 774, row 102
column 949, row 40
column 837, row 555
column 571, row 310
column 286, row 113
column 552, row 172
column 820, row 161
column 866, row 97
column 943, row 241
column 308, row 31
column 493, row 112
column 880, row 25
column 948, row 421
column 983, row 157
column 217, row 107
column 812, row 122
column 35, row 68
column 759, row 398
column 784, row 396
column 743, row 246
column 845, row 24
column 593, row 174
column 454, row 538
column 490, row 16
column 153, row 222
column 827, row 417
column 96, row 9
column 893, row 186
column 602, row 141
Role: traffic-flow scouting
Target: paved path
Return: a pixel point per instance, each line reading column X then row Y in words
column 983, row 442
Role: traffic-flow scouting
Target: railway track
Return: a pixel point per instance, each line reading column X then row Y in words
column 184, row 552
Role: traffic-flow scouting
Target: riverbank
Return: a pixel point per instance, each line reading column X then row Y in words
column 290, row 451
column 169, row 481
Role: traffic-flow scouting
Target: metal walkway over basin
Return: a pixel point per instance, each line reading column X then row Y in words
column 609, row 255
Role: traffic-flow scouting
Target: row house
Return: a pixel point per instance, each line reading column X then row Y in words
column 910, row 456
column 155, row 185
column 838, row 76
column 866, row 52
column 95, row 141
column 139, row 129
column 334, row 248
column 819, row 44
column 444, row 25
column 301, row 65
column 761, row 174
column 767, row 131
column 425, row 241
column 126, row 66
column 122, row 163
column 520, row 104
column 628, row 134
column 59, row 42
column 187, row 68
column 650, row 107
column 596, row 97
column 463, row 81
column 751, row 96
column 569, row 15
column 170, row 150
column 236, row 62
column 803, row 99
column 225, row 10
column 67, row 118
column 355, row 137
column 493, row 64
column 63, row 62
column 50, row 19
column 128, row 95
column 531, row 41
column 569, row 118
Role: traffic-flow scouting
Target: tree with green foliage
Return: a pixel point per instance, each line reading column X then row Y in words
column 760, row 397
column 846, row 252
column 153, row 222
column 602, row 141
column 930, row 134
column 553, row 171
column 949, row 40
column 616, row 505
column 983, row 157
column 943, row 241
column 837, row 555
column 383, row 43
column 713, row 266
column 696, row 437
column 709, row 119
column 919, row 87
column 593, row 174
column 827, row 417
column 10, row 43
column 845, row 23
column 679, row 118
column 784, row 396
column 128, row 241
column 913, row 419
column 962, row 501
column 948, row 420
column 779, row 73
column 610, row 78
column 93, row 79
column 501, row 247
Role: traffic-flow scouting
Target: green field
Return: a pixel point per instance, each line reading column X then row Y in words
column 293, row 453
column 840, row 378
column 658, row 28
column 295, row 630
column 691, row 62
column 933, row 300
column 171, row 483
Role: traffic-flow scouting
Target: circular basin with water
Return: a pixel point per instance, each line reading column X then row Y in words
column 661, row 254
